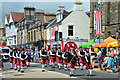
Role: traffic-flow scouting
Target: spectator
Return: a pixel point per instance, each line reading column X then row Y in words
column 99, row 57
column 118, row 60
column 111, row 59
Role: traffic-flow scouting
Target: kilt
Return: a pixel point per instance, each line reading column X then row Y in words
column 1, row 64
column 22, row 63
column 82, row 60
column 43, row 60
column 18, row 61
column 11, row 59
column 14, row 60
column 72, row 65
column 88, row 66
column 59, row 59
column 50, row 57
column 65, row 61
column 53, row 59
column 28, row 60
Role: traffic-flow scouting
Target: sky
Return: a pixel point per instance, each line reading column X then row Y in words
column 51, row 6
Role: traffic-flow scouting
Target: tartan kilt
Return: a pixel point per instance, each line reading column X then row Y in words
column 88, row 66
column 11, row 59
column 18, row 61
column 43, row 60
column 53, row 59
column 81, row 60
column 50, row 57
column 22, row 63
column 14, row 60
column 57, row 59
column 65, row 61
column 72, row 65
column 1, row 64
column 28, row 60
column 60, row 59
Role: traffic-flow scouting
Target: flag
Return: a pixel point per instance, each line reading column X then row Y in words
column 98, row 22
column 99, row 2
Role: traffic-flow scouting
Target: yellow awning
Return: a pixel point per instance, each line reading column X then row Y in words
column 113, row 44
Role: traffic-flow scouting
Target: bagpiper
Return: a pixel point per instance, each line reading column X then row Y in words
column 43, row 54
column 65, row 59
column 18, row 59
column 59, row 57
column 81, row 56
column 72, row 60
column 88, row 63
column 53, row 57
column 11, row 58
column 15, row 58
column 22, row 60
column 28, row 60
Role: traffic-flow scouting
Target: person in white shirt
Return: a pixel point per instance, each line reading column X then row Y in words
column 99, row 57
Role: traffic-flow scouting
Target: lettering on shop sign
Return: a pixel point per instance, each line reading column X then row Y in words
column 80, row 40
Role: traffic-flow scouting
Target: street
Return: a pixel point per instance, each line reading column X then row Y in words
column 35, row 72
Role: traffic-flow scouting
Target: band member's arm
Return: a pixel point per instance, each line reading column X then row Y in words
column 86, row 59
column 57, row 54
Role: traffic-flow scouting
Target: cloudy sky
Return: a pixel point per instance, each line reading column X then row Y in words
column 47, row 5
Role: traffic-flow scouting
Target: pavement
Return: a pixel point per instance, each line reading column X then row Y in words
column 35, row 72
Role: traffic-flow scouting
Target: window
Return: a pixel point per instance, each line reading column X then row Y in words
column 14, row 39
column 70, row 30
column 34, row 36
column 31, row 36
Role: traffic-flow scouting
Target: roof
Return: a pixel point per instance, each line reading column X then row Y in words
column 50, row 13
column 17, row 16
column 8, row 17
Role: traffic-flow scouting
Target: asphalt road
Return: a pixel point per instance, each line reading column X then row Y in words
column 35, row 72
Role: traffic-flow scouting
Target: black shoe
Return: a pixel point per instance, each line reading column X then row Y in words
column 71, row 75
column 15, row 69
column 105, row 69
column 59, row 68
column 43, row 70
column 22, row 71
column 11, row 68
column 45, row 66
column 87, row 75
column 101, row 69
column 81, row 69
column 18, row 70
column 53, row 67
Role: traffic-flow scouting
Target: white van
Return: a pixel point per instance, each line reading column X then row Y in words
column 5, row 53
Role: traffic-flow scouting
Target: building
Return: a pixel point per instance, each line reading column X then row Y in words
column 74, row 26
column 110, row 19
column 11, row 29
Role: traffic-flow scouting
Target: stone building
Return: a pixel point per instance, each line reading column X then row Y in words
column 110, row 19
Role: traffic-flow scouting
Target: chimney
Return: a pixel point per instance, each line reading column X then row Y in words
column 60, row 8
column 77, row 5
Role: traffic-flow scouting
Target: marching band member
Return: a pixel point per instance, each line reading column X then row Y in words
column 22, row 60
column 72, row 60
column 53, row 57
column 59, row 56
column 43, row 54
column 15, row 58
column 18, row 59
column 28, row 59
column 65, row 59
column 88, row 63
column 81, row 56
column 11, row 58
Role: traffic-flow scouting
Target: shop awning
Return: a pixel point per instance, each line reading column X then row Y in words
column 87, row 44
column 113, row 44
column 106, row 41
